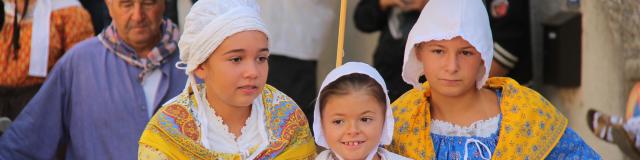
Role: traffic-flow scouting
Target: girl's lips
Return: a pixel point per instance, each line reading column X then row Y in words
column 248, row 89
column 449, row 82
column 352, row 145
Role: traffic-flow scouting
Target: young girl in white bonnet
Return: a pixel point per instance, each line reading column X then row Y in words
column 459, row 113
column 234, row 114
column 352, row 117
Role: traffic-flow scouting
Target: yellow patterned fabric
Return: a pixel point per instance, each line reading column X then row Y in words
column 530, row 127
column 173, row 132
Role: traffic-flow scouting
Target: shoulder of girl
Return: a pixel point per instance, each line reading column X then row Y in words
column 181, row 99
column 408, row 103
column 408, row 97
column 272, row 92
column 528, row 100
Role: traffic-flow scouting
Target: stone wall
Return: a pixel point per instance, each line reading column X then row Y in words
column 624, row 25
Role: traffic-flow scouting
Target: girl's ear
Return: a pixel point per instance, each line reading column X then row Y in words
column 200, row 71
column 481, row 70
column 416, row 50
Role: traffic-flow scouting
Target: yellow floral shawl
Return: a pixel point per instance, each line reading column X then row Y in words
column 530, row 127
column 172, row 133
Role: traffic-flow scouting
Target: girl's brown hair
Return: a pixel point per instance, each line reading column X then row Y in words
column 350, row 83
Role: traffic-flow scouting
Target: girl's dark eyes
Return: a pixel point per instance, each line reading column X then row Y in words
column 235, row 59
column 437, row 51
column 366, row 119
column 263, row 59
column 337, row 122
column 467, row 53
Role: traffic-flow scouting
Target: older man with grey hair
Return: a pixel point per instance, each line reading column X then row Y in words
column 102, row 93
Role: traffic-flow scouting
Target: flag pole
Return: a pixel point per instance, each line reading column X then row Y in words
column 341, row 29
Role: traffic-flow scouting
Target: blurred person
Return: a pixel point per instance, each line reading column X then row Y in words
column 510, row 25
column 394, row 19
column 33, row 38
column 603, row 125
column 100, row 13
column 1, row 14
column 297, row 41
column 234, row 114
column 103, row 91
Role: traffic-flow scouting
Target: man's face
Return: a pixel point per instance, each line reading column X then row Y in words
column 137, row 22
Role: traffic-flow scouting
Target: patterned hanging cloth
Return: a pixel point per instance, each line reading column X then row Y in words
column 15, row 39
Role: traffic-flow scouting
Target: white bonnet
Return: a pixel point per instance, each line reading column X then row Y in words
column 210, row 22
column 444, row 20
column 346, row 69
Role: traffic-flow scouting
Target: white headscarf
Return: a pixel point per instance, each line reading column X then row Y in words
column 39, row 58
column 445, row 20
column 346, row 69
column 208, row 24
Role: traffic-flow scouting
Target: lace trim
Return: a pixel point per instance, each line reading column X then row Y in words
column 219, row 122
column 481, row 128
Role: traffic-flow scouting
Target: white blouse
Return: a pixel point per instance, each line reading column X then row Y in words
column 481, row 128
column 384, row 155
column 216, row 136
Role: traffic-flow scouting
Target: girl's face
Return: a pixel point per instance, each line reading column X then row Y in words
column 452, row 67
column 352, row 124
column 236, row 72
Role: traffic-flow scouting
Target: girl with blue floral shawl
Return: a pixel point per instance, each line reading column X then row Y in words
column 234, row 114
column 459, row 113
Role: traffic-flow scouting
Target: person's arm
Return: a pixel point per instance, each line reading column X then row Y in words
column 41, row 126
column 511, row 35
column 370, row 16
column 497, row 69
column 572, row 146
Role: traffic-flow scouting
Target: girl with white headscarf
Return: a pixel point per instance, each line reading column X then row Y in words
column 352, row 115
column 234, row 114
column 459, row 113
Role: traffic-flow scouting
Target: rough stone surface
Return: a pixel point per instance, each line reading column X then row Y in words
column 624, row 24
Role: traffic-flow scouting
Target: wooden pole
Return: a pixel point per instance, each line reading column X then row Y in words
column 341, row 29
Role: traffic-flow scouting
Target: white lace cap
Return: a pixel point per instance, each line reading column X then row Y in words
column 444, row 20
column 346, row 69
column 210, row 22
